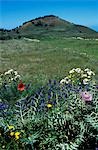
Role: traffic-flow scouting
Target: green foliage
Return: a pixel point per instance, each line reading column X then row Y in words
column 53, row 117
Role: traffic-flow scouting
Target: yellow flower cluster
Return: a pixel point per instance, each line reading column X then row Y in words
column 16, row 134
column 77, row 75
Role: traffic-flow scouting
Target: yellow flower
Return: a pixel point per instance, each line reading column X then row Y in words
column 12, row 133
column 49, row 105
column 11, row 127
column 17, row 135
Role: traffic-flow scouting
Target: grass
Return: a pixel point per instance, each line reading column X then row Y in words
column 70, row 122
column 50, row 58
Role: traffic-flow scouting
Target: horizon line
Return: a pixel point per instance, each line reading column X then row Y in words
column 88, row 26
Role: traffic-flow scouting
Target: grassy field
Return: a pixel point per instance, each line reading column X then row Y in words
column 48, row 59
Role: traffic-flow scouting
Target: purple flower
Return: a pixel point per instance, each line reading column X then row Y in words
column 3, row 106
column 97, row 86
column 86, row 96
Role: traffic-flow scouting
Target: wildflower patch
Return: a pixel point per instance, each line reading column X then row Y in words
column 59, row 115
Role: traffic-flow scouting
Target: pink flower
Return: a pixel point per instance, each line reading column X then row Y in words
column 86, row 96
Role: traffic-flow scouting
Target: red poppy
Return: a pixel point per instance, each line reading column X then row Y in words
column 21, row 86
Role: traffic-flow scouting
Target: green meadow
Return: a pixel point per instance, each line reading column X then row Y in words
column 50, row 117
column 51, row 58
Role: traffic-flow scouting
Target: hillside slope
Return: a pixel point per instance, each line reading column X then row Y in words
column 48, row 26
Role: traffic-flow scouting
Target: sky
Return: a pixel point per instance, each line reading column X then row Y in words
column 15, row 12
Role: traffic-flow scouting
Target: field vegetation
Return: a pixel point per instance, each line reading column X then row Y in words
column 49, row 58
column 49, row 94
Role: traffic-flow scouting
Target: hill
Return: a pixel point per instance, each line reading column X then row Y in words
column 48, row 26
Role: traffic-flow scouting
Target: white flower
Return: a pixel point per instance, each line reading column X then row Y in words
column 85, row 81
column 78, row 70
column 17, row 77
column 90, row 73
column 72, row 71
column 87, row 69
column 6, row 73
column 67, row 80
column 89, row 77
column 62, row 81
column 15, row 72
column 93, row 73
column 11, row 70
column 84, row 75
column 12, row 79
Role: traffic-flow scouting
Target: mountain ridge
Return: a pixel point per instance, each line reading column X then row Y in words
column 50, row 26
